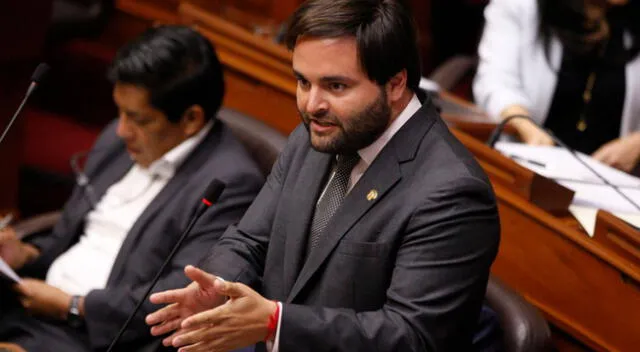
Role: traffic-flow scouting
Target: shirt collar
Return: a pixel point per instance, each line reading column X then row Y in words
column 167, row 165
column 370, row 152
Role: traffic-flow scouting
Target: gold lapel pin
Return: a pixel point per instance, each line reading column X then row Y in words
column 372, row 195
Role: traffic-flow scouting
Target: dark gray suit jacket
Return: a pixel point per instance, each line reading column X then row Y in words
column 406, row 271
column 155, row 232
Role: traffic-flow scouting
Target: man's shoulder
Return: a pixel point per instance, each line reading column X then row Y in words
column 108, row 133
column 444, row 162
column 297, row 146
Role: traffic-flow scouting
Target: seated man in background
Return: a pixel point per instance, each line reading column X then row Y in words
column 146, row 175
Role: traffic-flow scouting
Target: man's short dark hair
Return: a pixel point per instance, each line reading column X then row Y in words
column 384, row 31
column 177, row 66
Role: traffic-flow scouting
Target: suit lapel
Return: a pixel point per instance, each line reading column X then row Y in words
column 381, row 176
column 312, row 175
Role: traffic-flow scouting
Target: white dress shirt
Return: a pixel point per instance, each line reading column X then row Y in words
column 367, row 156
column 87, row 264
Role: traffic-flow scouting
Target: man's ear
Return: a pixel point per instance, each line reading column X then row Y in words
column 192, row 120
column 396, row 86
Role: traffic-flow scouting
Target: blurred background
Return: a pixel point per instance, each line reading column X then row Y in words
column 78, row 39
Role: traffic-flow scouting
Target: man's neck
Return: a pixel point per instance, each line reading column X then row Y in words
column 398, row 107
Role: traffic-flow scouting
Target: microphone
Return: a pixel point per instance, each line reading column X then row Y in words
column 37, row 77
column 495, row 134
column 211, row 195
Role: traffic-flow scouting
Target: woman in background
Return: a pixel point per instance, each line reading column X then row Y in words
column 570, row 65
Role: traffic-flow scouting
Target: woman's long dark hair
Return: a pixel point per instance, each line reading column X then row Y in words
column 566, row 19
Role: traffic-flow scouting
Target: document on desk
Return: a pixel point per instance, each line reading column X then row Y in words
column 559, row 164
column 591, row 192
column 586, row 216
column 604, row 197
column 6, row 270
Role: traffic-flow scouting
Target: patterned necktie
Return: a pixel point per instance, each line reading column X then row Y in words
column 331, row 199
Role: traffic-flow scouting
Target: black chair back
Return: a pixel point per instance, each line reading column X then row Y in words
column 523, row 327
column 263, row 142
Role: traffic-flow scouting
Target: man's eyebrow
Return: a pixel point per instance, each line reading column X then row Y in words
column 299, row 75
column 329, row 79
column 326, row 79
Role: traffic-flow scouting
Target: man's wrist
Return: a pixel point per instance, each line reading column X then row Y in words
column 272, row 325
column 75, row 311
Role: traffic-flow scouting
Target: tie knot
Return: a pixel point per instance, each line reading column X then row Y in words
column 346, row 162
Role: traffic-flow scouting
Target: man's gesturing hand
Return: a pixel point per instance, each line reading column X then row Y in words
column 242, row 321
column 199, row 296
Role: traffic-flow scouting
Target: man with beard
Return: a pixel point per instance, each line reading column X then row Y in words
column 375, row 230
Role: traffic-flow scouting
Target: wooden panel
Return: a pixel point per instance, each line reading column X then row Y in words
column 258, row 73
column 165, row 11
column 194, row 14
column 581, row 287
column 256, row 16
column 617, row 235
column 585, row 288
column 282, row 9
column 266, row 16
column 574, row 280
column 564, row 342
column 260, row 101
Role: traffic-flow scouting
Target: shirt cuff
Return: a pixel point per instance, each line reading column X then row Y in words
column 273, row 346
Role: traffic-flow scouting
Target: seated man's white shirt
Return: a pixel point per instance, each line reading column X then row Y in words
column 87, row 264
column 367, row 156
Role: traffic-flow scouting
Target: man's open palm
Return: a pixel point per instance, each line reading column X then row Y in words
column 199, row 296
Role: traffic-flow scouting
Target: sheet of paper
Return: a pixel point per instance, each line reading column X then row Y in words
column 586, row 216
column 603, row 197
column 633, row 219
column 559, row 164
column 6, row 270
column 592, row 193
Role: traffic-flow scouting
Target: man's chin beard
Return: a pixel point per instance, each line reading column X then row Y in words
column 329, row 144
column 356, row 132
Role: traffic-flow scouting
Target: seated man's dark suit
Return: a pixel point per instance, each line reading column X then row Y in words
column 147, row 244
column 404, row 262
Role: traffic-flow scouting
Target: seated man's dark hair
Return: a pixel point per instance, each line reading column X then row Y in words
column 176, row 65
